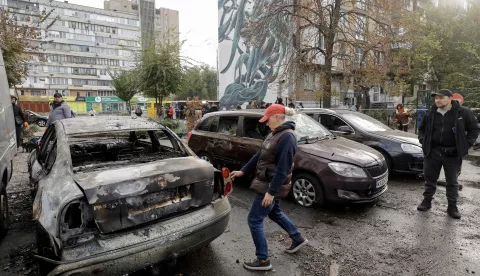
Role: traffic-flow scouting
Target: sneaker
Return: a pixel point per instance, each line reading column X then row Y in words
column 425, row 205
column 258, row 265
column 296, row 245
column 453, row 212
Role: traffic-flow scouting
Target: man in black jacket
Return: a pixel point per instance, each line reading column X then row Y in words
column 20, row 120
column 446, row 133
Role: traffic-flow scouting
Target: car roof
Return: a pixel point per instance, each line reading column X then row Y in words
column 236, row 112
column 90, row 124
column 326, row 110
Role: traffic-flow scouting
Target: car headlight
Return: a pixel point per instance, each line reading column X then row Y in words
column 409, row 148
column 347, row 170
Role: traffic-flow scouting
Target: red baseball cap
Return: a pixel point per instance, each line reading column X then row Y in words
column 274, row 109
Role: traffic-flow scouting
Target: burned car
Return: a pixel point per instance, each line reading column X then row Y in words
column 116, row 194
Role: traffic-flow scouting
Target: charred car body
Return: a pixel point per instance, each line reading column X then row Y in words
column 327, row 168
column 116, row 194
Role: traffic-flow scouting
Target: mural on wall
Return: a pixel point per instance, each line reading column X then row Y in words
column 251, row 52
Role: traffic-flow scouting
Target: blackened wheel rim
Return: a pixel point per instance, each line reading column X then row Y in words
column 41, row 123
column 3, row 212
column 304, row 192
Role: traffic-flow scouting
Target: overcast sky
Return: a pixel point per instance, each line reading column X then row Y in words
column 198, row 25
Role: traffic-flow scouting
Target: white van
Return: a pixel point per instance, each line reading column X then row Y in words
column 8, row 145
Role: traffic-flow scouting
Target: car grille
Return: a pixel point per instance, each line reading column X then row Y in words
column 377, row 170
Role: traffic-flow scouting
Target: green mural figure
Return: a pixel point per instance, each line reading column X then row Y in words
column 258, row 48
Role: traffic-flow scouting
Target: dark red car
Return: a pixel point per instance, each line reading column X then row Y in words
column 327, row 168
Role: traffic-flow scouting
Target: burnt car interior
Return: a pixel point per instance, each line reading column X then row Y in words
column 254, row 129
column 97, row 151
column 228, row 126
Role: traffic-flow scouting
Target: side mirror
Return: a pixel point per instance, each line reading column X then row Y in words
column 345, row 129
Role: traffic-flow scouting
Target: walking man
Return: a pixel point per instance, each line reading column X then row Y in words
column 59, row 109
column 273, row 166
column 446, row 133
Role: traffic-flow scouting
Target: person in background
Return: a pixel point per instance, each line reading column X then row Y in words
column 300, row 104
column 273, row 166
column 446, row 133
column 92, row 112
column 476, row 145
column 355, row 108
column 263, row 105
column 250, row 105
column 402, row 117
column 171, row 112
column 291, row 104
column 214, row 108
column 279, row 101
column 138, row 111
column 20, row 118
column 193, row 112
column 239, row 107
column 59, row 109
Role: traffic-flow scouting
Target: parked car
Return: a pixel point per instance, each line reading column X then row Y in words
column 115, row 194
column 8, row 148
column 402, row 150
column 327, row 168
column 35, row 118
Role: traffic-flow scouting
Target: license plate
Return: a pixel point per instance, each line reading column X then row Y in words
column 382, row 182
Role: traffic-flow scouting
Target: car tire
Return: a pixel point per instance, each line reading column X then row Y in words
column 207, row 157
column 43, row 242
column 388, row 159
column 307, row 190
column 4, row 216
column 41, row 123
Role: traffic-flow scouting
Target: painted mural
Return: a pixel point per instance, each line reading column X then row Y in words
column 250, row 51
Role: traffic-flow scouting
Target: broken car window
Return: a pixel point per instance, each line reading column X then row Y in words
column 106, row 150
column 228, row 125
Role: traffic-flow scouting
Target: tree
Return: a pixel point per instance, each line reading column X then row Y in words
column 323, row 32
column 200, row 81
column 160, row 72
column 125, row 85
column 16, row 40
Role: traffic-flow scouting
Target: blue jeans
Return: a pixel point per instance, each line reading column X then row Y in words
column 255, row 222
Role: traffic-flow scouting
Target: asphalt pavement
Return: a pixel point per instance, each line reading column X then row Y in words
column 388, row 237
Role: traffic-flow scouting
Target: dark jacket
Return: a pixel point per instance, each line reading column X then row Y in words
column 465, row 129
column 18, row 113
column 274, row 162
column 58, row 112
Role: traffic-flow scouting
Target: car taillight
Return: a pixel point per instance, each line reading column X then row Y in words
column 189, row 135
column 227, row 180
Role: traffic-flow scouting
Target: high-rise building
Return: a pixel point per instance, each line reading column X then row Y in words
column 152, row 20
column 81, row 45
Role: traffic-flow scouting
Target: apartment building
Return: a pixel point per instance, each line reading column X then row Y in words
column 79, row 49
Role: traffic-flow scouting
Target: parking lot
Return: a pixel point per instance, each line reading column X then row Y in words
column 386, row 237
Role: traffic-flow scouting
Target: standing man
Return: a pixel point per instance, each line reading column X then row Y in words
column 59, row 109
column 273, row 166
column 20, row 120
column 446, row 133
column 193, row 112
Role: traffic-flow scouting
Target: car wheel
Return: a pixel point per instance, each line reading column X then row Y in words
column 389, row 161
column 41, row 123
column 44, row 250
column 208, row 158
column 3, row 210
column 307, row 190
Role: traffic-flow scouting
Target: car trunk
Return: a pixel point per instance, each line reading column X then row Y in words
column 131, row 195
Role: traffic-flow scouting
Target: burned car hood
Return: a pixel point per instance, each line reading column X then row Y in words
column 343, row 150
column 140, row 179
column 398, row 136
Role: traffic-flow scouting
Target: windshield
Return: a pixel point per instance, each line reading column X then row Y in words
column 365, row 122
column 307, row 127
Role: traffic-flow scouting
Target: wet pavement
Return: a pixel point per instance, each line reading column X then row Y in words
column 382, row 238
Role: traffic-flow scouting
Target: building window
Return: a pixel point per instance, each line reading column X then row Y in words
column 309, row 81
column 358, row 54
column 361, row 4
column 89, row 94
column 78, row 94
column 36, row 93
column 379, row 58
column 361, row 26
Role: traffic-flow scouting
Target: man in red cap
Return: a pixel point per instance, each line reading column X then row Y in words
column 273, row 166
